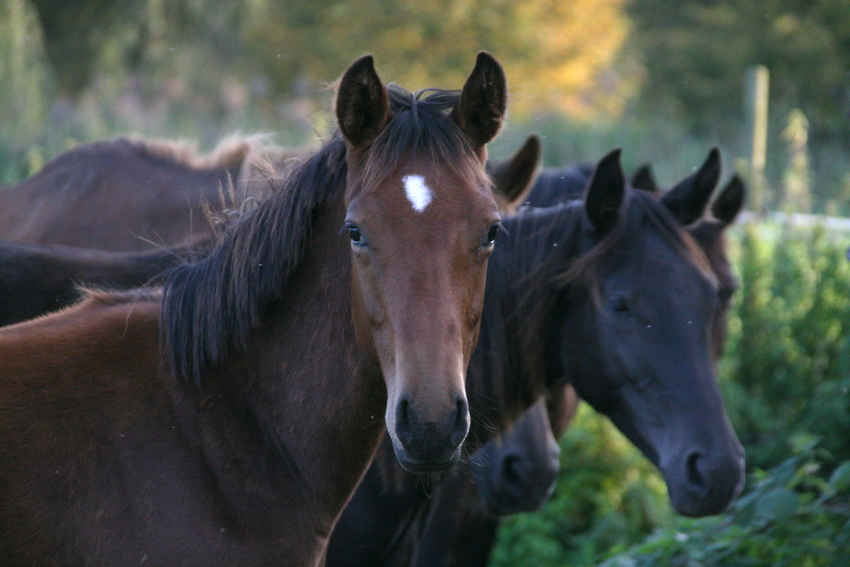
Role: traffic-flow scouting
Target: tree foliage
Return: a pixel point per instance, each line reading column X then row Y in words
column 552, row 50
column 790, row 517
column 696, row 51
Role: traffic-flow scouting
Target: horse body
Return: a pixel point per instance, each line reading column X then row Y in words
column 39, row 278
column 153, row 469
column 120, row 195
column 227, row 419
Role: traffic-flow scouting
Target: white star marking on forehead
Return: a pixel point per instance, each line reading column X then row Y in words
column 417, row 192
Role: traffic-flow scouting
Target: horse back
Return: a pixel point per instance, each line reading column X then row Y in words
column 114, row 195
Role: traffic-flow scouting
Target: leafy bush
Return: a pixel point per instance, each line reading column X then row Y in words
column 786, row 375
column 608, row 497
column 790, row 517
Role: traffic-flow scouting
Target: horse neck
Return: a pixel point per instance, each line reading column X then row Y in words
column 304, row 390
column 506, row 372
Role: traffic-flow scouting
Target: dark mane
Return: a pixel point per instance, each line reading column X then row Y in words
column 210, row 308
column 583, row 270
column 521, row 276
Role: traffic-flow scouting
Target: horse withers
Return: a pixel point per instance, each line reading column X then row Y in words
column 226, row 419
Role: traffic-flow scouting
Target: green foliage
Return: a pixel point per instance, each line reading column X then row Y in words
column 695, row 54
column 789, row 517
column 787, row 370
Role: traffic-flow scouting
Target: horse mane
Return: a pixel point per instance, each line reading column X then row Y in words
column 583, row 271
column 210, row 308
column 526, row 292
column 569, row 270
column 99, row 296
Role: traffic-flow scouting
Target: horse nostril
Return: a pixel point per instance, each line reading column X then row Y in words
column 402, row 421
column 510, row 469
column 461, row 424
column 693, row 474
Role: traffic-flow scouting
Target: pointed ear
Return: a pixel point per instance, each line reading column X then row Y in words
column 514, row 177
column 644, row 179
column 483, row 101
column 362, row 103
column 605, row 193
column 730, row 201
column 689, row 198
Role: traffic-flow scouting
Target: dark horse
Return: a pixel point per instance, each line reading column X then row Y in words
column 227, row 419
column 613, row 295
column 125, row 195
column 36, row 279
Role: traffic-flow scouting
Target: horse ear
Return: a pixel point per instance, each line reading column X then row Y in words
column 689, row 198
column 605, row 193
column 514, row 176
column 483, row 101
column 362, row 103
column 644, row 179
column 730, row 201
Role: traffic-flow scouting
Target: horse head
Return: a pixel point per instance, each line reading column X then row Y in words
column 422, row 221
column 638, row 310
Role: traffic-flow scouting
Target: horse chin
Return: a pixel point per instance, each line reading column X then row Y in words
column 501, row 503
column 425, row 467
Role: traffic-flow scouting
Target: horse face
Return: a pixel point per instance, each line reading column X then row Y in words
column 421, row 233
column 638, row 348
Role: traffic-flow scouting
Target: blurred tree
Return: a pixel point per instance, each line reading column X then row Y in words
column 695, row 53
column 25, row 83
column 556, row 53
column 75, row 34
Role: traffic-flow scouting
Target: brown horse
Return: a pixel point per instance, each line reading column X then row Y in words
column 227, row 419
column 590, row 280
column 126, row 194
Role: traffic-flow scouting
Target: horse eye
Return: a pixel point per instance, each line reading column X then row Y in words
column 491, row 235
column 619, row 304
column 355, row 235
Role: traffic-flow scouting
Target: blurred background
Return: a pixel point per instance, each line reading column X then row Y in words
column 664, row 79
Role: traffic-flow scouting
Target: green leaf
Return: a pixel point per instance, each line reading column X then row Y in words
column 778, row 504
column 840, row 479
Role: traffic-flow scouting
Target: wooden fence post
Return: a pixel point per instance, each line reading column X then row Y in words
column 757, row 84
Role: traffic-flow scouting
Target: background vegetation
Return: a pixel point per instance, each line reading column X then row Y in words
column 662, row 78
